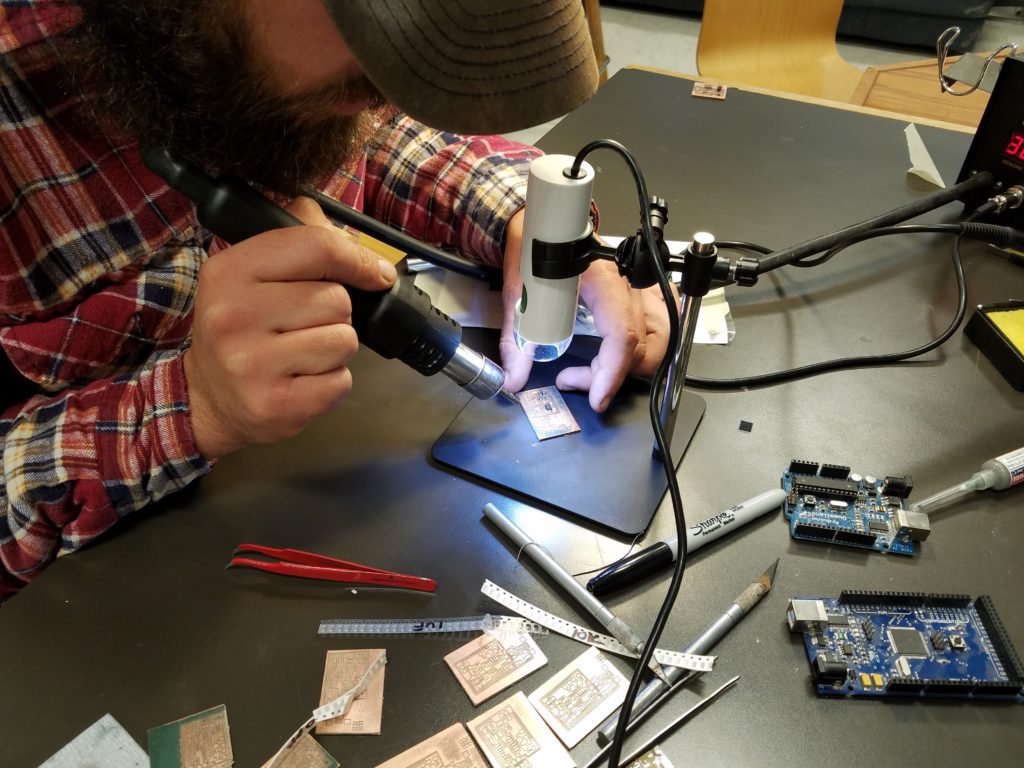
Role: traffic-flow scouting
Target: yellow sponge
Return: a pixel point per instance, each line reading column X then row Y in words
column 1011, row 323
column 998, row 331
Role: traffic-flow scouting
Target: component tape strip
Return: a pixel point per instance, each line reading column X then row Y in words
column 485, row 623
column 584, row 635
column 333, row 708
column 339, row 706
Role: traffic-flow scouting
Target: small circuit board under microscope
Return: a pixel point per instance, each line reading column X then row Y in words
column 828, row 503
column 907, row 644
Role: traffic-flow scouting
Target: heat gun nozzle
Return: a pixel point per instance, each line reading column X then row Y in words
column 477, row 374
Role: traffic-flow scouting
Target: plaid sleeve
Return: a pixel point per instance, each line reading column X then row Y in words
column 449, row 190
column 75, row 463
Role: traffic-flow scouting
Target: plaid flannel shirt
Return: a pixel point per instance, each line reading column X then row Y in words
column 98, row 267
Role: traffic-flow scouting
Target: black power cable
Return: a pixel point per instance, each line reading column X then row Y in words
column 1003, row 237
column 345, row 214
column 742, row 245
column 967, row 228
column 930, row 202
column 657, row 385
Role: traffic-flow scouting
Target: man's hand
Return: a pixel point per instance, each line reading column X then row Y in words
column 272, row 333
column 633, row 325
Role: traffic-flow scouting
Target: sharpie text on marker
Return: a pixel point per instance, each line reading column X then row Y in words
column 647, row 561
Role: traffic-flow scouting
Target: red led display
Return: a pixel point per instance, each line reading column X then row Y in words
column 1016, row 146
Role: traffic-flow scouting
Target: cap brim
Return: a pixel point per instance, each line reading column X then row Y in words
column 473, row 66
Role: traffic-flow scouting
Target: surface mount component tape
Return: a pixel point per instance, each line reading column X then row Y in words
column 334, row 708
column 584, row 635
column 485, row 623
column 339, row 706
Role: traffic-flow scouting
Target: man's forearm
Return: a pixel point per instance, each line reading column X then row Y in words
column 74, row 464
column 446, row 189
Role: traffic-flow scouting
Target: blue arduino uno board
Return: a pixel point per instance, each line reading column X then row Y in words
column 909, row 644
column 829, row 504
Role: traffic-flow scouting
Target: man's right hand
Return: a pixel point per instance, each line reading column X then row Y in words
column 272, row 333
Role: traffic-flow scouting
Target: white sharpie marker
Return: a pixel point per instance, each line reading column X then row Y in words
column 657, row 556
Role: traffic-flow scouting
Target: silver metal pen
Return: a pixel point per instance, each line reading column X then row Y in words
column 619, row 629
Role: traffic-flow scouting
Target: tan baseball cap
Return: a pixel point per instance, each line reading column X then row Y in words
column 473, row 66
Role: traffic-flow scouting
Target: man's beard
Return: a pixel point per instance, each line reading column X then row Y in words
column 181, row 74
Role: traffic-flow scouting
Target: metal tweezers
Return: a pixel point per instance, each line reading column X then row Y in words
column 307, row 565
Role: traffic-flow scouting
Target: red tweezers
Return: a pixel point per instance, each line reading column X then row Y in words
column 295, row 562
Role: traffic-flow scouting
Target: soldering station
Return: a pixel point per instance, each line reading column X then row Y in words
column 559, row 243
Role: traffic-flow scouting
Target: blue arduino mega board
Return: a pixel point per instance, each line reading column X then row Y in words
column 829, row 504
column 908, row 644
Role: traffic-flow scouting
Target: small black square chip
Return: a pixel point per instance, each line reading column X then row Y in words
column 907, row 642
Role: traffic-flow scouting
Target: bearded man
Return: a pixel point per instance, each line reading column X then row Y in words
column 135, row 347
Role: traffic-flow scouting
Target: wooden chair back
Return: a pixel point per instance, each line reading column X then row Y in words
column 786, row 45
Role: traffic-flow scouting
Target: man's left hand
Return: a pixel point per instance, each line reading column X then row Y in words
column 633, row 325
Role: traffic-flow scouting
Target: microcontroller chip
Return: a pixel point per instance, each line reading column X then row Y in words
column 827, row 487
column 907, row 642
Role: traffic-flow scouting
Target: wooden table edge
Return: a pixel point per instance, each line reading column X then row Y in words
column 812, row 100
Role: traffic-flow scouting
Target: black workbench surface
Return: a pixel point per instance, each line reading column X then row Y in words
column 148, row 626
